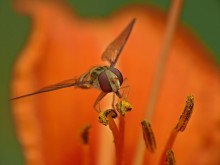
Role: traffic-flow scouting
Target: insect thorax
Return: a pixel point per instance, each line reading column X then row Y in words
column 92, row 76
column 106, row 78
column 97, row 70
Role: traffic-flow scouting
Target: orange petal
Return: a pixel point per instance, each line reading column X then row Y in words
column 62, row 46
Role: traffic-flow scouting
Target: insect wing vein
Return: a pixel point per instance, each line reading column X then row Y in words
column 112, row 52
column 60, row 85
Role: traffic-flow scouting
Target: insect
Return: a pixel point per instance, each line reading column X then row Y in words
column 105, row 78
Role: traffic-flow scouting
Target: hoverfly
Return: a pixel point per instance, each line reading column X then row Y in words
column 105, row 78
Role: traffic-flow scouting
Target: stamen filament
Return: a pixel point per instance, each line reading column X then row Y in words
column 180, row 127
column 172, row 22
column 118, row 132
column 168, row 146
column 116, row 136
column 121, row 137
column 86, row 155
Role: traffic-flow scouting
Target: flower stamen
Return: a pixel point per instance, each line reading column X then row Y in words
column 184, row 118
column 85, row 134
column 170, row 159
column 104, row 116
column 123, row 106
column 86, row 148
column 107, row 118
column 180, row 127
column 148, row 135
column 116, row 135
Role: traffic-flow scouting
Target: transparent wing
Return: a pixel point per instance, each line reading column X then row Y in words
column 112, row 52
column 60, row 85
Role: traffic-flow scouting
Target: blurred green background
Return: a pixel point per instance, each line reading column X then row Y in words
column 201, row 16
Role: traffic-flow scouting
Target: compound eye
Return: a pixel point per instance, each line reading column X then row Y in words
column 117, row 73
column 104, row 83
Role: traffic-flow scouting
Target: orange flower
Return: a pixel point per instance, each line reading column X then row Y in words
column 62, row 45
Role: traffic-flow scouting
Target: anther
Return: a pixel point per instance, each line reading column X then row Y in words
column 123, row 106
column 184, row 118
column 103, row 116
column 170, row 159
column 85, row 134
column 148, row 135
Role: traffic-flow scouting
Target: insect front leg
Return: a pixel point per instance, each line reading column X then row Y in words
column 113, row 100
column 118, row 94
column 125, row 87
column 99, row 98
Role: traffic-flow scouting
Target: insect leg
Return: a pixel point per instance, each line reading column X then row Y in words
column 99, row 98
column 126, row 86
column 113, row 101
column 118, row 94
